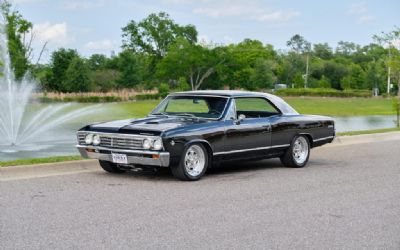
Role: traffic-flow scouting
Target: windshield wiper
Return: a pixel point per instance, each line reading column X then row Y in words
column 186, row 114
column 161, row 113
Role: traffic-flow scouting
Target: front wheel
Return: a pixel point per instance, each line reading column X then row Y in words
column 296, row 156
column 110, row 167
column 193, row 163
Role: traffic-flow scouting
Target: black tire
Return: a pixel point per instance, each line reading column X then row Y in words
column 111, row 167
column 289, row 159
column 180, row 171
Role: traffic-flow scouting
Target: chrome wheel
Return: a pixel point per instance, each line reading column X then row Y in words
column 300, row 150
column 195, row 160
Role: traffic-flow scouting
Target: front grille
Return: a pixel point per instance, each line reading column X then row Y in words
column 81, row 138
column 119, row 142
column 115, row 141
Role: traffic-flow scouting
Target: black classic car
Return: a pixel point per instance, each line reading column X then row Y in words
column 192, row 131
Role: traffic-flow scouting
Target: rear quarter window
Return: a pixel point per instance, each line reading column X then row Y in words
column 255, row 104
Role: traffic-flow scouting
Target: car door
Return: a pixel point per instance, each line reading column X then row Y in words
column 249, row 136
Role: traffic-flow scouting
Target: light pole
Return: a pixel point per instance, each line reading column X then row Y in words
column 306, row 77
column 388, row 79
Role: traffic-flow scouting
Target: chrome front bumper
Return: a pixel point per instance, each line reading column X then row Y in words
column 135, row 157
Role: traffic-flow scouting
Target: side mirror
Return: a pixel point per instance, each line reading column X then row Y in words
column 241, row 117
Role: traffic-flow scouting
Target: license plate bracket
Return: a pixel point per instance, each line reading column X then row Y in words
column 119, row 158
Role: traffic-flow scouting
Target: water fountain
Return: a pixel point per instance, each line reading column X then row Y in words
column 20, row 131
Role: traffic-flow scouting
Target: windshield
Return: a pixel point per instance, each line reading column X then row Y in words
column 192, row 106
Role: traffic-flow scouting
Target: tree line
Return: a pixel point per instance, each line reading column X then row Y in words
column 157, row 51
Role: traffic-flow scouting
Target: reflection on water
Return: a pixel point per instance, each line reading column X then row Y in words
column 357, row 123
column 66, row 133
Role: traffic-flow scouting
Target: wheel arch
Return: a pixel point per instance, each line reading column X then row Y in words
column 206, row 145
column 309, row 137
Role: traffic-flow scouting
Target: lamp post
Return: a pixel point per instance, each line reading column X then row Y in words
column 388, row 79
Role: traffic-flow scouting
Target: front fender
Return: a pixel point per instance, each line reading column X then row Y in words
column 179, row 146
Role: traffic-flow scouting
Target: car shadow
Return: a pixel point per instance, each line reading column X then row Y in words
column 226, row 169
column 244, row 166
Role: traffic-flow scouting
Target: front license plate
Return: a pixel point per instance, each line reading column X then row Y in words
column 119, row 158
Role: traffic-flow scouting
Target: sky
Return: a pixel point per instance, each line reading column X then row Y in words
column 94, row 26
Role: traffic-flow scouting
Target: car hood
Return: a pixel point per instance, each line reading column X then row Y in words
column 147, row 126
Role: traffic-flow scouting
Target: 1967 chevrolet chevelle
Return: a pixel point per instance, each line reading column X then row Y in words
column 192, row 131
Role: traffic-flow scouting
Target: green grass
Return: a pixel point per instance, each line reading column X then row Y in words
column 39, row 160
column 367, row 132
column 304, row 105
column 341, row 106
column 134, row 109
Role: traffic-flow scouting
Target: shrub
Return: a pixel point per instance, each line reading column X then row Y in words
column 326, row 92
column 143, row 97
column 163, row 89
column 85, row 99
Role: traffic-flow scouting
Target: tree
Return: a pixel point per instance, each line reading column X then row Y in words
column 104, row 79
column 195, row 62
column 60, row 61
column 154, row 34
column 77, row 76
column 243, row 63
column 19, row 44
column 346, row 48
column 263, row 74
column 323, row 51
column 301, row 46
column 393, row 62
column 129, row 68
column 298, row 44
column 97, row 62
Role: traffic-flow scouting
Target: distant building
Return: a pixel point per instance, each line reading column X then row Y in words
column 280, row 86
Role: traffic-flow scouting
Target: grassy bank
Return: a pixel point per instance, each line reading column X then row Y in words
column 304, row 105
column 341, row 106
column 39, row 160
column 367, row 132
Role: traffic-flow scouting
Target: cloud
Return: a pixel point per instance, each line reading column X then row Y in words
column 56, row 34
column 82, row 5
column 100, row 45
column 250, row 11
column 25, row 1
column 366, row 18
column 357, row 9
column 228, row 39
column 278, row 16
column 361, row 12
column 184, row 1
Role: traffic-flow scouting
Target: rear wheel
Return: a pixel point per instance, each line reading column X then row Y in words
column 193, row 163
column 298, row 153
column 111, row 167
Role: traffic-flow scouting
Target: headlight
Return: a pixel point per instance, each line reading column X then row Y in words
column 157, row 144
column 89, row 139
column 96, row 140
column 146, row 144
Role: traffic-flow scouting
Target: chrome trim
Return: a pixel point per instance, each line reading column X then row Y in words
column 162, row 161
column 122, row 136
column 324, row 138
column 183, row 94
column 250, row 149
column 117, row 135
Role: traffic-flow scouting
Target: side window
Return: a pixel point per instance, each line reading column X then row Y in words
column 253, row 107
column 231, row 111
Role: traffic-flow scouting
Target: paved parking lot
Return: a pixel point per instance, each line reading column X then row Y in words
column 348, row 197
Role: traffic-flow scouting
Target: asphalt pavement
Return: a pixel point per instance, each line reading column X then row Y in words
column 348, row 197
